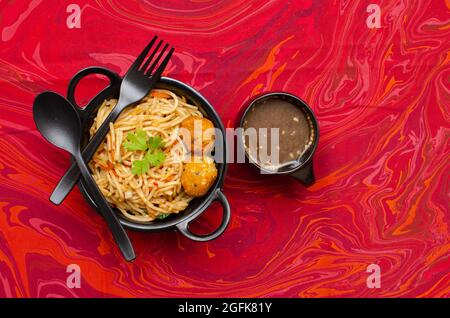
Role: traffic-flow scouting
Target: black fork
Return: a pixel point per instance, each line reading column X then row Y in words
column 137, row 83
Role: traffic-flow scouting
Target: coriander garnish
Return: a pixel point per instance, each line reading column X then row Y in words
column 154, row 157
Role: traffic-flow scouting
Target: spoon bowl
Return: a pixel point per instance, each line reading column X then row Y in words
column 58, row 122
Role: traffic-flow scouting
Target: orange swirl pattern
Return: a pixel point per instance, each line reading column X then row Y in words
column 381, row 96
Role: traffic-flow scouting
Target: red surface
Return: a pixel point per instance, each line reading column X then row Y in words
column 381, row 97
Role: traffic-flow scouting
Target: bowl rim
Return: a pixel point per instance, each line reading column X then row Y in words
column 206, row 200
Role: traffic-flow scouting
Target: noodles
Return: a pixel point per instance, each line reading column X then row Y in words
column 158, row 192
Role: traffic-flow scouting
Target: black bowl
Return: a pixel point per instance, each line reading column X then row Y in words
column 198, row 205
column 302, row 169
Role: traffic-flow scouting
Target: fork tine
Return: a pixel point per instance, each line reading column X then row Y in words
column 152, row 67
column 163, row 64
column 141, row 56
column 147, row 62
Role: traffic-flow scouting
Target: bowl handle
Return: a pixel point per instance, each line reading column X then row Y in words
column 184, row 227
column 114, row 80
column 305, row 174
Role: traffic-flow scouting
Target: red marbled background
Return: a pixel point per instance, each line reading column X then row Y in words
column 382, row 100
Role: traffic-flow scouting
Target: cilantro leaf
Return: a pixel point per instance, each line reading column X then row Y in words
column 139, row 166
column 155, row 158
column 136, row 141
column 154, row 143
column 162, row 216
column 151, row 159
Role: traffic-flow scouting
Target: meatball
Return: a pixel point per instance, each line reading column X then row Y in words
column 198, row 176
column 191, row 139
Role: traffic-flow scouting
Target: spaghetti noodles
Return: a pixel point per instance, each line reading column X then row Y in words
column 158, row 192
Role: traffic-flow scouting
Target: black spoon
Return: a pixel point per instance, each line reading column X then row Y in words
column 59, row 123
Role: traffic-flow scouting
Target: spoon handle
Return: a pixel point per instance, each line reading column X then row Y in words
column 70, row 178
column 110, row 216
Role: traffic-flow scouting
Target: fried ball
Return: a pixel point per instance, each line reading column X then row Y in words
column 191, row 139
column 198, row 176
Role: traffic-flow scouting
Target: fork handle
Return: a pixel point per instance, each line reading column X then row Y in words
column 70, row 178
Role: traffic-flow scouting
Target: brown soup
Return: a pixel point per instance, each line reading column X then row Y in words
column 295, row 133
